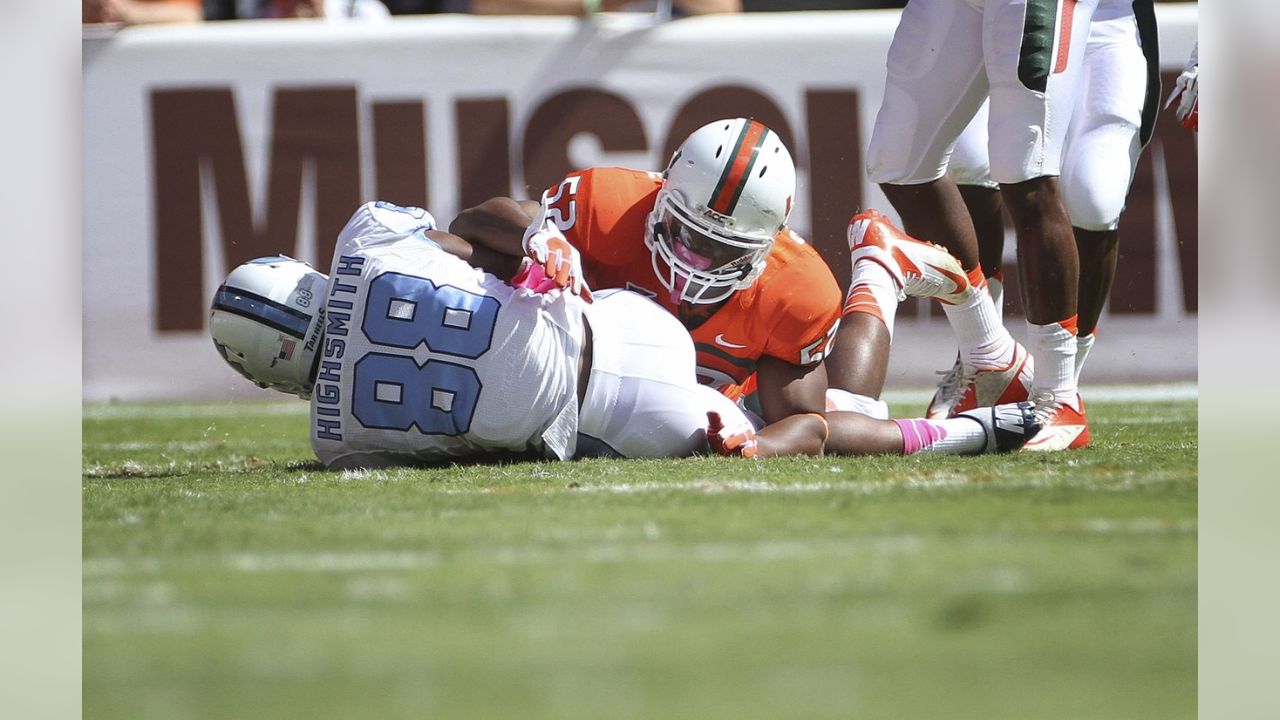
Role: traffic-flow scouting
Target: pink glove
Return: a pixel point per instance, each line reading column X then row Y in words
column 533, row 277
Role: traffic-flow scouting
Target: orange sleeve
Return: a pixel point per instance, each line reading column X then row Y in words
column 602, row 211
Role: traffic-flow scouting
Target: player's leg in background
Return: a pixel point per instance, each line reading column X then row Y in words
column 1034, row 59
column 934, row 85
column 860, row 426
column 914, row 154
column 1102, row 153
column 970, row 167
column 986, row 210
column 990, row 368
column 859, row 358
column 887, row 267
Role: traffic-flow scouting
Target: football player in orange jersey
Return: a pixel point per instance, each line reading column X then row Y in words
column 707, row 241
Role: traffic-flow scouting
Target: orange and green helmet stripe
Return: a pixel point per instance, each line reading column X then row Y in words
column 746, row 147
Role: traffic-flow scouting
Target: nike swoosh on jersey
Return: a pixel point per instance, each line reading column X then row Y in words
column 721, row 341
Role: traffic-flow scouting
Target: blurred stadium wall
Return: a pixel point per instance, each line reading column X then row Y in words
column 207, row 145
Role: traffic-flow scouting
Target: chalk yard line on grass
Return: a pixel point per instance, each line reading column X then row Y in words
column 647, row 547
column 643, row 549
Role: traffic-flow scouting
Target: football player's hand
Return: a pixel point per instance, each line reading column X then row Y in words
column 531, row 277
column 560, row 260
column 733, row 444
column 1185, row 99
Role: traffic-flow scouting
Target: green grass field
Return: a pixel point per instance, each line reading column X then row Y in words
column 226, row 575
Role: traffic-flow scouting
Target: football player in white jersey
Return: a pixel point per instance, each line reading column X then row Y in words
column 1113, row 121
column 410, row 355
column 946, row 58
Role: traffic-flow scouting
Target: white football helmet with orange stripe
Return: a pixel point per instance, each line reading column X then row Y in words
column 725, row 194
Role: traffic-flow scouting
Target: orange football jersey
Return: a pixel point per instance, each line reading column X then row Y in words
column 791, row 312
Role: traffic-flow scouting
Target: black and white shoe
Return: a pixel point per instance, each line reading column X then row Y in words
column 1008, row 426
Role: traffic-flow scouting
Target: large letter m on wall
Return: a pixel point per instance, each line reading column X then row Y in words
column 195, row 135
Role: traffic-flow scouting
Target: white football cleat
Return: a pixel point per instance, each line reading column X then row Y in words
column 920, row 269
column 950, row 389
column 965, row 388
column 1008, row 427
column 1063, row 427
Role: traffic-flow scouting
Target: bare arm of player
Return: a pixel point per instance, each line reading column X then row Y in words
column 498, row 224
column 493, row 224
column 793, row 399
column 502, row 266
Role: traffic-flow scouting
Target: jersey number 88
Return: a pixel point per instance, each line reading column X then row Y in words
column 439, row 397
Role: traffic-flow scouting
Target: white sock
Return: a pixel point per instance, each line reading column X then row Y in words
column 845, row 401
column 1053, row 348
column 872, row 291
column 984, row 342
column 995, row 286
column 1084, row 343
column 953, row 436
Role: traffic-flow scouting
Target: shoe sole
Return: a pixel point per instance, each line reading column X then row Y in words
column 1056, row 438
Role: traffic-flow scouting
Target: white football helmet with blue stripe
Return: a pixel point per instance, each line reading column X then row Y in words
column 266, row 321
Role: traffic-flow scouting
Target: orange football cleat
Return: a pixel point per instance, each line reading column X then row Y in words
column 920, row 269
column 1062, row 426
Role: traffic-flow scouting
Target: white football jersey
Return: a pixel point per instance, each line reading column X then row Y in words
column 424, row 357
